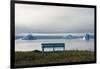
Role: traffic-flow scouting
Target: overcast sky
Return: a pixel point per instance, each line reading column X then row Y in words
column 53, row 19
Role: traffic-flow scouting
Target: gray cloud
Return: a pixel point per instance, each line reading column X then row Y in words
column 53, row 19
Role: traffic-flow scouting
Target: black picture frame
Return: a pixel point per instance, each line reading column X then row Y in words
column 12, row 30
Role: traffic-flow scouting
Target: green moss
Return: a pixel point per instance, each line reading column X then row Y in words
column 36, row 57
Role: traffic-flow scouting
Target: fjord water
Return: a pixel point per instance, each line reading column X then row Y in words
column 70, row 44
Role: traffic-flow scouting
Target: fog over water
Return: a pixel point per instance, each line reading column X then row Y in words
column 76, row 44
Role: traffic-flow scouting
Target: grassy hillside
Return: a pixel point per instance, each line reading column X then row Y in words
column 37, row 57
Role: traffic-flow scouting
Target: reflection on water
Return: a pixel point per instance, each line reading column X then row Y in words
column 74, row 44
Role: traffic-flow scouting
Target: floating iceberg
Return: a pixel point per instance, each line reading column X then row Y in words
column 28, row 37
column 64, row 36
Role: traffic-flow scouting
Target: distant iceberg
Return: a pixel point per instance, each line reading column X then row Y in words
column 64, row 36
column 88, row 37
column 73, row 36
column 18, row 37
column 28, row 37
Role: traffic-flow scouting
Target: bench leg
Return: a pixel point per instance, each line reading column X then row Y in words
column 53, row 49
column 64, row 48
column 42, row 50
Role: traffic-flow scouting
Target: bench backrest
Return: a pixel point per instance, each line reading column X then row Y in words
column 53, row 45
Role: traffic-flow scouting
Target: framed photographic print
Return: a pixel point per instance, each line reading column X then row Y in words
column 50, row 34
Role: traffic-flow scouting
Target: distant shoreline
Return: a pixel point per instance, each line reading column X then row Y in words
column 57, row 50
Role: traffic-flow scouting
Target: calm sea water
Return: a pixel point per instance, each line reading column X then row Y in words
column 70, row 44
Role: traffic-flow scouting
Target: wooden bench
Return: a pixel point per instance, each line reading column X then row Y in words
column 52, row 45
